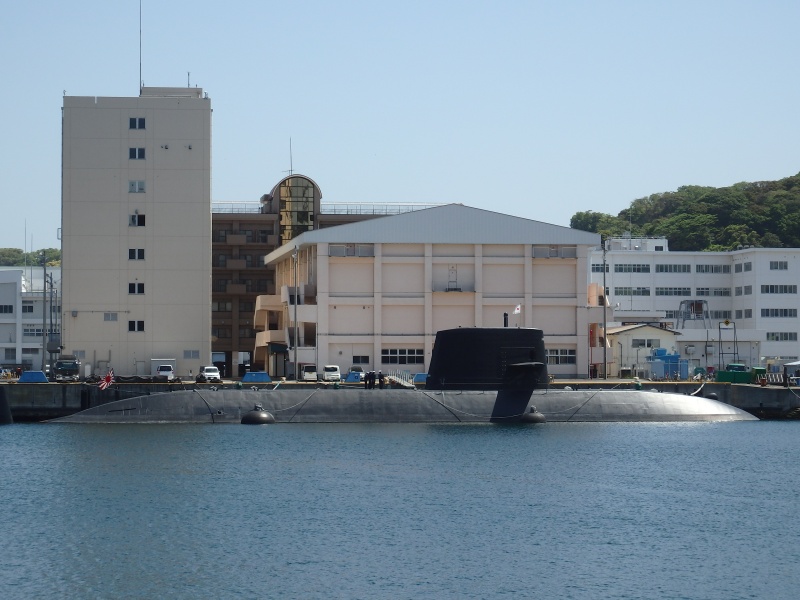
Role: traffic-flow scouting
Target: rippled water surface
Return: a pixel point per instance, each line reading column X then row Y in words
column 400, row 511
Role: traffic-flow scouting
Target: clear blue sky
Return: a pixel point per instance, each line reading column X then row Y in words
column 538, row 109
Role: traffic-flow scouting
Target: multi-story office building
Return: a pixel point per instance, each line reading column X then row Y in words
column 738, row 306
column 242, row 234
column 375, row 293
column 136, row 230
column 30, row 315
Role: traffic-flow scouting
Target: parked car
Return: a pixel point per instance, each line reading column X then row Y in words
column 358, row 369
column 165, row 371
column 309, row 373
column 331, row 373
column 208, row 374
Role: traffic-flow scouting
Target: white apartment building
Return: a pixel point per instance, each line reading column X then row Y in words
column 30, row 315
column 136, row 230
column 738, row 306
column 374, row 293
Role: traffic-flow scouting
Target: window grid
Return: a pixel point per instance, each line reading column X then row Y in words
column 779, row 289
column 781, row 336
column 631, row 268
column 673, row 268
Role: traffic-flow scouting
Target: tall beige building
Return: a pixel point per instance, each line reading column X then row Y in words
column 136, row 230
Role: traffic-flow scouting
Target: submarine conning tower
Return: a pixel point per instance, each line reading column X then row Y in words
column 476, row 358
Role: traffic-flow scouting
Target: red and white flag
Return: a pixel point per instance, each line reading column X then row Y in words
column 518, row 309
column 107, row 380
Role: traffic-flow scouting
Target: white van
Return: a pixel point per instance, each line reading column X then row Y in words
column 331, row 373
column 309, row 373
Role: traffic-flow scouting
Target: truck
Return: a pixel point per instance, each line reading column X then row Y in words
column 67, row 368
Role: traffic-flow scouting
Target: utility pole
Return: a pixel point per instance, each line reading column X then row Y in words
column 605, row 313
column 296, row 298
column 44, row 306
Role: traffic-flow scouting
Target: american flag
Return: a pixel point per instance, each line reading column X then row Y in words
column 107, row 380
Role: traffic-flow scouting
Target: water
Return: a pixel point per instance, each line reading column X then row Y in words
column 650, row 511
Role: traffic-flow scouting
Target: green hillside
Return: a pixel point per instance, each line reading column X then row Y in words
column 764, row 213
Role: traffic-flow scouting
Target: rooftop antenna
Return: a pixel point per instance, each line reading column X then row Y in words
column 141, row 84
column 291, row 166
column 188, row 81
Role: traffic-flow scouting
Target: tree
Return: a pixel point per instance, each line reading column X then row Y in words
column 11, row 257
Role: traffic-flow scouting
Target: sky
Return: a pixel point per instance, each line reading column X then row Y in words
column 533, row 108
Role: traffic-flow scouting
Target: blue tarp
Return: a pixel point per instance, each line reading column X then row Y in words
column 256, row 377
column 33, row 377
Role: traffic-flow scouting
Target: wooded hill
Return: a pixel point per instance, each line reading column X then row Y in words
column 764, row 214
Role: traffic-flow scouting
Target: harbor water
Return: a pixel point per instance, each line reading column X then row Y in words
column 592, row 510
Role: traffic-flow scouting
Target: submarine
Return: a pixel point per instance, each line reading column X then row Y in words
column 476, row 375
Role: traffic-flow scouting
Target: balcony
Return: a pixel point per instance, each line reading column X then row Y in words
column 236, row 288
column 272, row 336
column 236, row 239
column 236, row 264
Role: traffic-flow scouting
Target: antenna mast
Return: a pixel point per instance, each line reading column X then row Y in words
column 140, row 46
column 291, row 166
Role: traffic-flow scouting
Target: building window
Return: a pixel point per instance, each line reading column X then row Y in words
column 737, row 268
column 748, row 266
column 598, row 267
column 402, row 356
column 712, row 268
column 703, row 291
column 221, row 306
column 361, row 360
column 135, row 253
column 748, row 290
column 560, row 356
column 673, row 291
column 136, row 153
column 246, row 306
column 136, row 187
column 738, row 290
column 246, row 332
column 721, row 292
column 720, row 314
column 738, row 314
column 136, row 221
column 673, row 268
column 191, row 354
column 748, row 313
column 781, row 336
column 632, row 291
column 645, row 343
column 631, row 268
column 6, row 309
column 779, row 313
column 135, row 325
column 778, row 289
column 778, row 265
column 221, row 332
column 27, row 307
column 10, row 354
column 351, row 250
column 136, row 123
column 136, row 288
column 110, row 316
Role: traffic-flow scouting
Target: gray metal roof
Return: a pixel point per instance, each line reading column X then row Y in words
column 446, row 224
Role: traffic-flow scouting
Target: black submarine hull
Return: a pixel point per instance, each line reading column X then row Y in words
column 325, row 405
column 476, row 375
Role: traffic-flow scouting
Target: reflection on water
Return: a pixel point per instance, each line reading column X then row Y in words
column 699, row 510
